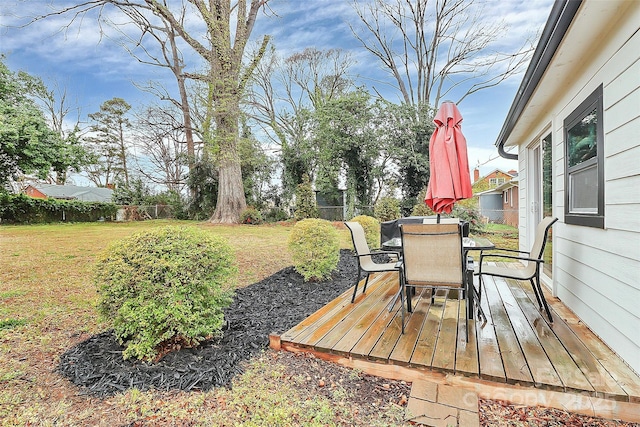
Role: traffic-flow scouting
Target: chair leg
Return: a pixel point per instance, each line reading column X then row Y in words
column 467, row 295
column 408, row 296
column 364, row 290
column 401, row 299
column 355, row 289
column 544, row 300
column 535, row 292
column 479, row 305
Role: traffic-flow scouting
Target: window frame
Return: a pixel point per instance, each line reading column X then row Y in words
column 596, row 219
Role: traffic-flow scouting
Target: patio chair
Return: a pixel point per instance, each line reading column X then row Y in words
column 433, row 257
column 532, row 262
column 365, row 261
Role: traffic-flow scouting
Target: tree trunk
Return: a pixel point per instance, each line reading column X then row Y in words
column 231, row 200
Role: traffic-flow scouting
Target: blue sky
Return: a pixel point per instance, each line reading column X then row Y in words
column 94, row 69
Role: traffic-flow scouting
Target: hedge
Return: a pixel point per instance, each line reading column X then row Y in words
column 22, row 209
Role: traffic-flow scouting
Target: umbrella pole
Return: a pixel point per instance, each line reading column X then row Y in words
column 438, row 219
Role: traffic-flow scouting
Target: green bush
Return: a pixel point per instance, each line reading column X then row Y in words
column 305, row 201
column 275, row 214
column 387, row 209
column 371, row 229
column 314, row 245
column 471, row 215
column 251, row 216
column 21, row 209
column 421, row 208
column 165, row 288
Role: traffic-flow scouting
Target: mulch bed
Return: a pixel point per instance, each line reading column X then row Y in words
column 273, row 305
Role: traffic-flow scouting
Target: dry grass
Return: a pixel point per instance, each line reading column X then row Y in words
column 47, row 304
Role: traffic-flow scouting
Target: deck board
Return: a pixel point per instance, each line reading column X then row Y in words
column 515, row 345
column 568, row 371
column 466, row 347
column 423, row 353
column 444, row 357
column 513, row 360
column 406, row 344
column 326, row 323
column 357, row 320
column 489, row 357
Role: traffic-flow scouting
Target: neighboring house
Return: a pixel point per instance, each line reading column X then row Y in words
column 69, row 192
column 500, row 204
column 490, row 201
column 492, row 179
column 576, row 124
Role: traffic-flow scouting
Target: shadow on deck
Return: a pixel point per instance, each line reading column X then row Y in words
column 516, row 356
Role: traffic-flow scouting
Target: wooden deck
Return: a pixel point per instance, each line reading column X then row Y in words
column 516, row 346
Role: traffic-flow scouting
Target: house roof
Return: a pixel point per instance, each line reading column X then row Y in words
column 85, row 194
column 558, row 23
column 574, row 30
column 512, row 175
column 499, row 189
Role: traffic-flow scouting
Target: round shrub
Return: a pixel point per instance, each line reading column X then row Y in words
column 251, row 216
column 165, row 288
column 314, row 245
column 387, row 209
column 371, row 228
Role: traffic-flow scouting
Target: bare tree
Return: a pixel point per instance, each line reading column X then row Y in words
column 170, row 56
column 57, row 108
column 227, row 29
column 436, row 49
column 163, row 157
column 282, row 88
column 284, row 94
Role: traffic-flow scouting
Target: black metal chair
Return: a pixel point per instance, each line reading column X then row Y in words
column 532, row 262
column 365, row 261
column 433, row 257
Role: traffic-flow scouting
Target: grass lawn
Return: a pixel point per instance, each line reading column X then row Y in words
column 502, row 235
column 47, row 304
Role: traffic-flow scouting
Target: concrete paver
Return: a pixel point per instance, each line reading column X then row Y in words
column 439, row 405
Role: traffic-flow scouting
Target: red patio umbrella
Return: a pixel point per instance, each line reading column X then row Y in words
column 449, row 180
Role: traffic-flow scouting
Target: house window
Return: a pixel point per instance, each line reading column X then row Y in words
column 496, row 181
column 584, row 163
column 506, row 196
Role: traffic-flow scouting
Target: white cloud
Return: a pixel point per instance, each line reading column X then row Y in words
column 100, row 69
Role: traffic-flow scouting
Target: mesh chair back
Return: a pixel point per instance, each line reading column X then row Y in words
column 360, row 243
column 539, row 242
column 432, row 254
column 541, row 236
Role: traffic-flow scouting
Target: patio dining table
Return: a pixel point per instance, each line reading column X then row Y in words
column 469, row 243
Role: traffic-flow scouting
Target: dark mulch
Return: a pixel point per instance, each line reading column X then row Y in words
column 273, row 305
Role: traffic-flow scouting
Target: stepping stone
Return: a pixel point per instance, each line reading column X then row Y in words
column 439, row 405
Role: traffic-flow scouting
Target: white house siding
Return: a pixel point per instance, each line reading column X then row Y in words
column 596, row 272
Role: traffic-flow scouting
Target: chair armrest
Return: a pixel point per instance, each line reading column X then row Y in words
column 521, row 258
column 385, row 252
column 498, row 252
column 504, row 250
column 389, row 253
